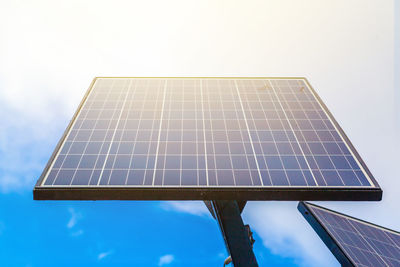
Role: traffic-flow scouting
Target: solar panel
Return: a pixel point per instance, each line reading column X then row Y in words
column 205, row 138
column 353, row 242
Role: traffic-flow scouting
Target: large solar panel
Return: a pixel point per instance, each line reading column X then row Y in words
column 205, row 138
column 353, row 242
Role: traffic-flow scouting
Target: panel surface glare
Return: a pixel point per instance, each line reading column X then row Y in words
column 360, row 243
column 204, row 133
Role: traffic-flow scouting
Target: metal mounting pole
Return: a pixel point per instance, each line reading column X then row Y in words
column 236, row 236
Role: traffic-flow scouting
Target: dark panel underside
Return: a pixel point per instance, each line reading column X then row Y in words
column 206, row 194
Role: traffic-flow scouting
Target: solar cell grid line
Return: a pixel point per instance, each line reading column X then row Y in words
column 296, row 138
column 111, row 174
column 210, row 142
column 204, row 132
column 300, row 133
column 102, row 123
column 109, row 170
column 260, row 151
column 282, row 135
column 156, row 130
column 309, row 178
column 287, row 113
column 225, row 93
column 274, row 161
column 354, row 242
column 108, row 129
column 250, row 173
column 159, row 133
column 248, row 131
column 204, row 139
column 60, row 162
column 100, row 126
column 192, row 159
column 226, row 133
column 323, row 149
column 323, row 178
column 299, row 149
column 181, row 132
column 369, row 247
column 324, row 160
column 72, row 140
column 227, row 90
column 255, row 174
column 123, row 161
column 182, row 92
column 335, row 159
column 147, row 109
column 345, row 163
column 74, row 150
column 172, row 161
column 138, row 169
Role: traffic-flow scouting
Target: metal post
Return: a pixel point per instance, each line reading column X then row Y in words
column 235, row 234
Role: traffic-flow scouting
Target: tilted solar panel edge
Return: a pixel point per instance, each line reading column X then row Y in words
column 351, row 217
column 176, row 193
column 349, row 143
column 64, row 135
column 324, row 234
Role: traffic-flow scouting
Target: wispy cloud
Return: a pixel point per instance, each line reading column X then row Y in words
column 24, row 146
column 191, row 207
column 77, row 233
column 166, row 259
column 283, row 231
column 102, row 255
column 34, row 111
column 75, row 216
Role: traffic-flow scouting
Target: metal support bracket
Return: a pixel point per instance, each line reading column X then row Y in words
column 236, row 235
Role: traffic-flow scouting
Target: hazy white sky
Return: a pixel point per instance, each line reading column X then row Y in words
column 51, row 50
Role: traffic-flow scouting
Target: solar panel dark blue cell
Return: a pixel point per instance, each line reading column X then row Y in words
column 354, row 242
column 249, row 133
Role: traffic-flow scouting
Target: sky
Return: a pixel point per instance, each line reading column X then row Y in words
column 51, row 50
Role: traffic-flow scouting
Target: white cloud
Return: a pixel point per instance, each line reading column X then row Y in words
column 104, row 254
column 75, row 216
column 191, row 207
column 77, row 233
column 166, row 259
column 26, row 142
column 284, row 232
column 9, row 182
column 72, row 222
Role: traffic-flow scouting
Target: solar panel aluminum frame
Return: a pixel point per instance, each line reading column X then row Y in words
column 323, row 233
column 209, row 193
column 327, row 238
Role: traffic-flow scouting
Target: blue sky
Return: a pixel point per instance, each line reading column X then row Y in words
column 111, row 234
column 50, row 51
